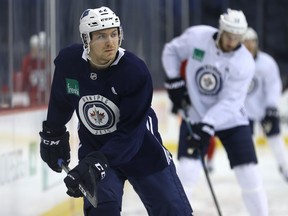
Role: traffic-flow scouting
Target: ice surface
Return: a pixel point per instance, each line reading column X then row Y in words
column 226, row 189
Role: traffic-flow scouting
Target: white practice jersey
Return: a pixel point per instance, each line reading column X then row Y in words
column 217, row 81
column 265, row 88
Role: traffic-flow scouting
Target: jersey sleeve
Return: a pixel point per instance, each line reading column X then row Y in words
column 60, row 110
column 175, row 52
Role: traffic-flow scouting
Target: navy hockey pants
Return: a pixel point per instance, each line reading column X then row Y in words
column 161, row 193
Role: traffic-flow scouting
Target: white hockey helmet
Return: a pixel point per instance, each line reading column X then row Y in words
column 250, row 34
column 233, row 21
column 97, row 19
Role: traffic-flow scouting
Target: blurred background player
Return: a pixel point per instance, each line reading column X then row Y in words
column 111, row 91
column 263, row 98
column 218, row 73
column 33, row 70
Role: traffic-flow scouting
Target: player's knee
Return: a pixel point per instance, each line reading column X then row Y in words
column 104, row 209
column 184, row 168
column 249, row 178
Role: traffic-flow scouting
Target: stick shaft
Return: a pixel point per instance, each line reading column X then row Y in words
column 187, row 121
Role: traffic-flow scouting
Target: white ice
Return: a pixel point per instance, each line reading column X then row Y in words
column 226, row 189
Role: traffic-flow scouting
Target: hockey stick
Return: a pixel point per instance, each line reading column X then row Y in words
column 91, row 198
column 187, row 121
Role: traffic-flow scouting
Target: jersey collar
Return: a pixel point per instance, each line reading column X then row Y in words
column 121, row 52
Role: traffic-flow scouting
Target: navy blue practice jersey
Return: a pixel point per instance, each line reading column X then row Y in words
column 113, row 106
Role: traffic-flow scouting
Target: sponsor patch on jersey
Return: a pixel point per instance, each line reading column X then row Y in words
column 99, row 114
column 72, row 86
column 198, row 54
column 209, row 80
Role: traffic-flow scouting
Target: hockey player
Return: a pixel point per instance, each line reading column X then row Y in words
column 219, row 71
column 111, row 91
column 263, row 97
column 33, row 70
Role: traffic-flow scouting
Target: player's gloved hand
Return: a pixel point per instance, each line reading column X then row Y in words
column 97, row 163
column 201, row 135
column 54, row 145
column 178, row 93
column 271, row 118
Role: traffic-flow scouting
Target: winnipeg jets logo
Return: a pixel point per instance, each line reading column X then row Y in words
column 209, row 80
column 98, row 114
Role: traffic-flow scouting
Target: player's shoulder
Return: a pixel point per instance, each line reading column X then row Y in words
column 242, row 55
column 133, row 73
column 266, row 63
column 133, row 64
column 199, row 35
column 201, row 31
column 243, row 60
column 72, row 54
column 265, row 57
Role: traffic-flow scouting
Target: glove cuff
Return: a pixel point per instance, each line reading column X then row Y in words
column 175, row 83
column 99, row 156
column 272, row 111
column 52, row 132
column 207, row 128
column 97, row 161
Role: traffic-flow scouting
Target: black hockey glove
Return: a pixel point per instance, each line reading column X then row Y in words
column 92, row 168
column 54, row 145
column 178, row 93
column 201, row 135
column 270, row 120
